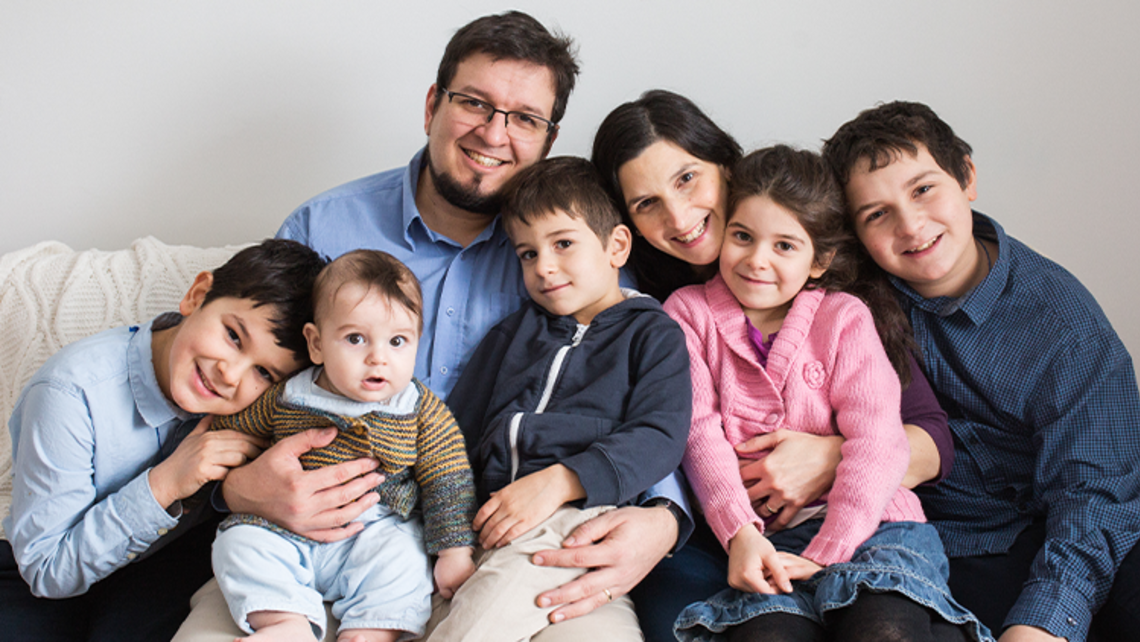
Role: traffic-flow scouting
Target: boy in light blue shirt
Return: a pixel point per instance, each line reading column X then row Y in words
column 110, row 456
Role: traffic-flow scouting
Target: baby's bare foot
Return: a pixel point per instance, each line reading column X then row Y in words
column 271, row 626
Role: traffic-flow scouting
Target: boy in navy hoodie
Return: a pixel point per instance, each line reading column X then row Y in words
column 571, row 406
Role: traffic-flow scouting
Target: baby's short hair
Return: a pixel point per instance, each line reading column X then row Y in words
column 276, row 272
column 881, row 133
column 374, row 269
column 565, row 183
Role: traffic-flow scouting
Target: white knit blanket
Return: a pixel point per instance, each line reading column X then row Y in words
column 51, row 295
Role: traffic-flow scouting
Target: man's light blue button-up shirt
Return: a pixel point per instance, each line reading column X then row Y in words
column 467, row 290
column 85, row 432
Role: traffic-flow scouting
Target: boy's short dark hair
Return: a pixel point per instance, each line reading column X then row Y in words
column 881, row 133
column 564, row 183
column 276, row 272
column 374, row 269
column 514, row 35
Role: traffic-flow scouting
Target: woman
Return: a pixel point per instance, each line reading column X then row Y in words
column 666, row 167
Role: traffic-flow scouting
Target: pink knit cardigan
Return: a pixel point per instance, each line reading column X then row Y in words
column 827, row 374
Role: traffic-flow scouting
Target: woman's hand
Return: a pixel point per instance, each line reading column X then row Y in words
column 754, row 565
column 799, row 469
column 203, row 456
column 619, row 547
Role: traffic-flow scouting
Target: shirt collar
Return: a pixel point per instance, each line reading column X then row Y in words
column 414, row 223
column 152, row 405
column 979, row 303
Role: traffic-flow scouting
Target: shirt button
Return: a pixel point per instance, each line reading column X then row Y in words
column 1071, row 622
column 443, row 370
column 162, row 531
column 451, row 312
column 772, row 418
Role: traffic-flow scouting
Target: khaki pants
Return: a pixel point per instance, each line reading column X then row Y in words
column 497, row 604
column 501, row 609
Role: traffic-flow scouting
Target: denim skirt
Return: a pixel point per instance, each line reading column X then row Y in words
column 903, row 557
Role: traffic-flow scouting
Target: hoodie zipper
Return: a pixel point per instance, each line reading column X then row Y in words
column 547, row 391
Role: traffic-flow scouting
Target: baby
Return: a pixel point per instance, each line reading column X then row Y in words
column 367, row 324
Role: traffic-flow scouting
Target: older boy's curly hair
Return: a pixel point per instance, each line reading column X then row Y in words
column 881, row 133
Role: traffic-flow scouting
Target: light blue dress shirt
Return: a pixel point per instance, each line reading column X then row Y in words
column 85, row 432
column 467, row 290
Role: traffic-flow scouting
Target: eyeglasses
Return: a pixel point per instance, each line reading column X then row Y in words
column 526, row 126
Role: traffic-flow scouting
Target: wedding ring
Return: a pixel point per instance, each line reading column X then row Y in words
column 771, row 511
column 609, row 596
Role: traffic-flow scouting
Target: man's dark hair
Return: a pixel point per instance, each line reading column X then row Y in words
column 372, row 269
column 881, row 133
column 565, row 183
column 279, row 273
column 514, row 35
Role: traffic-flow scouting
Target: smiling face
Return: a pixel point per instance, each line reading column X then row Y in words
column 766, row 260
column 366, row 343
column 470, row 160
column 566, row 267
column 677, row 201
column 915, row 221
column 222, row 356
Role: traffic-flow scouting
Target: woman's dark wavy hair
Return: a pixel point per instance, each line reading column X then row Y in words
column 624, row 134
column 801, row 182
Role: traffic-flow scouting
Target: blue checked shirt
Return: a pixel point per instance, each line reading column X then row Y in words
column 1045, row 413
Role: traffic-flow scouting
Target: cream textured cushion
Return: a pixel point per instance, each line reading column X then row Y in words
column 51, row 295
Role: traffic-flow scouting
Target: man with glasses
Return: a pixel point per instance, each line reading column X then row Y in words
column 500, row 91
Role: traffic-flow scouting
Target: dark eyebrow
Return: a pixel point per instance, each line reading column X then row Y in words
column 907, row 185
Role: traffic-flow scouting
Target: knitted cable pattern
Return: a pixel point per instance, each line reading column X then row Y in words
column 51, row 295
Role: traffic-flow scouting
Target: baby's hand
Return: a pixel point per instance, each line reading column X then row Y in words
column 203, row 456
column 754, row 565
column 798, row 568
column 452, row 569
column 525, row 503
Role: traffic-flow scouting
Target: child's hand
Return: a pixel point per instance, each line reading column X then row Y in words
column 798, row 568
column 452, row 569
column 525, row 503
column 202, row 456
column 754, row 565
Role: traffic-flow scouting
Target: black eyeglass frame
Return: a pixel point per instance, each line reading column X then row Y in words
column 551, row 126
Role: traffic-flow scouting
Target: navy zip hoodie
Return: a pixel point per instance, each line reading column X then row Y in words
column 611, row 401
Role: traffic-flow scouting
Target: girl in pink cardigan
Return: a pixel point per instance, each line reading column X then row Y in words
column 774, row 344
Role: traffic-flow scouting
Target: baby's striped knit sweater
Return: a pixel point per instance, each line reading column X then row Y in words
column 421, row 455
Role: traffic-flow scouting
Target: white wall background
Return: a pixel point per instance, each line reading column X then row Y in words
column 207, row 122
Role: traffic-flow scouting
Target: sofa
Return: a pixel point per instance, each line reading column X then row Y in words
column 51, row 295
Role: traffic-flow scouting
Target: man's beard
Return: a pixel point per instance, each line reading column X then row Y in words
column 465, row 198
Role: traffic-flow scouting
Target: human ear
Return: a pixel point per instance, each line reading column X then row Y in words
column 313, row 338
column 818, row 268
column 971, row 188
column 196, row 294
column 429, row 107
column 550, row 138
column 619, row 245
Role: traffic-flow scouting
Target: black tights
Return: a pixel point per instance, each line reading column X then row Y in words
column 873, row 617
